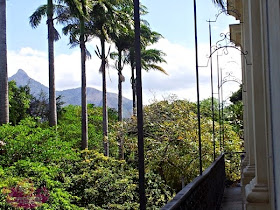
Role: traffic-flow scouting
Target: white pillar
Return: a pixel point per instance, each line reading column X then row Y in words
column 273, row 24
column 257, row 191
column 249, row 171
column 245, row 161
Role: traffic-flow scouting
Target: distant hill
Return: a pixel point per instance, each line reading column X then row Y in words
column 73, row 96
column 23, row 79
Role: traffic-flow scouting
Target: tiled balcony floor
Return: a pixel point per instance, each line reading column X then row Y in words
column 232, row 199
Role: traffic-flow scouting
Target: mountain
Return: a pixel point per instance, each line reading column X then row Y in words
column 23, row 79
column 73, row 96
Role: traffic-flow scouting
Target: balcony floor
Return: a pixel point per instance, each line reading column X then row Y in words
column 232, row 199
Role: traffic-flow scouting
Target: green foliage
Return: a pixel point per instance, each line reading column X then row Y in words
column 37, row 154
column 69, row 126
column 29, row 141
column 171, row 141
column 19, row 100
column 23, row 104
column 39, row 175
column 206, row 108
column 39, row 107
column 234, row 116
column 115, row 184
column 236, row 96
column 51, row 158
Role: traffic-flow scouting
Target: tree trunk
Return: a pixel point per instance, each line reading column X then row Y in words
column 52, row 98
column 84, row 90
column 4, row 100
column 105, row 111
column 120, row 137
column 133, row 86
column 120, row 86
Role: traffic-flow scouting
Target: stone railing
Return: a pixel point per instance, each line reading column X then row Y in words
column 204, row 192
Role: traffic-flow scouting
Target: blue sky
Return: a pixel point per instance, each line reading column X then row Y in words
column 27, row 48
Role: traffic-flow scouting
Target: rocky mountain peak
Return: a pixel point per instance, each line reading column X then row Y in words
column 21, row 73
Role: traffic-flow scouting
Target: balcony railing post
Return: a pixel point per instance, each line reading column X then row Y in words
column 197, row 90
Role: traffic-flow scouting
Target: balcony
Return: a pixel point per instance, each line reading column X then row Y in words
column 208, row 191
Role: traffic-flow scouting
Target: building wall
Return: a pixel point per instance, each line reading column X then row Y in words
column 261, row 34
column 273, row 31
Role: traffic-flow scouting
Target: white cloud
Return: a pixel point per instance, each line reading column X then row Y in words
column 33, row 62
column 180, row 67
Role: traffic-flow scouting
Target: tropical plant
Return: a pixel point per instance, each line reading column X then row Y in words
column 122, row 36
column 36, row 156
column 39, row 107
column 171, row 141
column 77, row 29
column 35, row 19
column 103, row 17
column 19, row 101
column 149, row 57
column 4, row 100
column 234, row 112
column 236, row 96
column 206, row 108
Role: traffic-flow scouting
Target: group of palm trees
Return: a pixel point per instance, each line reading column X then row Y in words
column 111, row 21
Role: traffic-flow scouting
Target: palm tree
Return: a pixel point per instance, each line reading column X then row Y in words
column 123, row 42
column 122, row 36
column 76, row 28
column 103, row 18
column 4, row 100
column 84, row 86
column 53, row 35
column 149, row 57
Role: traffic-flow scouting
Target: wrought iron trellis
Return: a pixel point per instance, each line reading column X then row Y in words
column 228, row 78
column 227, row 11
column 224, row 48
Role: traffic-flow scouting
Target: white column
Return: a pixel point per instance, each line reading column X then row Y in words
column 257, row 191
column 273, row 24
column 249, row 171
column 245, row 161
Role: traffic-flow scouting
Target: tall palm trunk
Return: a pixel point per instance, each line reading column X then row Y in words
column 52, row 98
column 120, row 137
column 84, row 86
column 4, row 100
column 120, row 85
column 133, row 86
column 105, row 111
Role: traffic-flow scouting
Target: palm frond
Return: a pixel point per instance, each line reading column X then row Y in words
column 88, row 54
column 70, row 28
column 150, row 58
column 74, row 44
column 156, row 67
column 153, row 56
column 220, row 3
column 98, row 53
column 63, row 13
column 56, row 34
column 114, row 55
column 74, row 6
column 36, row 18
